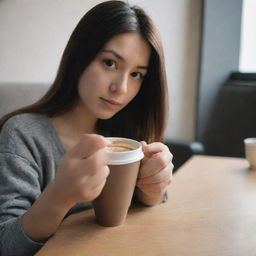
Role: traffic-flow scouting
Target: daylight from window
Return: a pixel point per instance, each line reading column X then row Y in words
column 248, row 37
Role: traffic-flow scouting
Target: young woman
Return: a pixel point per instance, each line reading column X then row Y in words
column 111, row 82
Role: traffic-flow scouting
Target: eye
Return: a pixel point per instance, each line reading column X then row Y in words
column 137, row 75
column 109, row 63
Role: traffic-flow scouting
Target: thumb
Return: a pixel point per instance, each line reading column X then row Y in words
column 143, row 144
column 144, row 149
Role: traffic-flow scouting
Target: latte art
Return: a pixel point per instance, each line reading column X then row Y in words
column 119, row 146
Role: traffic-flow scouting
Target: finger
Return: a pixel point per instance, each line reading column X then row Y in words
column 99, row 177
column 158, row 188
column 98, row 190
column 98, row 181
column 162, row 176
column 154, row 148
column 153, row 165
column 94, row 191
column 88, row 144
column 93, row 163
column 143, row 144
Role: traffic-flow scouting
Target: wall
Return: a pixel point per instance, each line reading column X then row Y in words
column 219, row 55
column 34, row 34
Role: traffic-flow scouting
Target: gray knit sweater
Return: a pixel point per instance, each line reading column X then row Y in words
column 30, row 150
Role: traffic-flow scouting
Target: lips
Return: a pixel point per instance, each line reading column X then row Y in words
column 111, row 103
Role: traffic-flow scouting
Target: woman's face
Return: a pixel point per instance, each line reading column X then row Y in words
column 115, row 75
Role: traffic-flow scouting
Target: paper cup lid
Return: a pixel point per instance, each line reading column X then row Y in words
column 133, row 154
column 251, row 140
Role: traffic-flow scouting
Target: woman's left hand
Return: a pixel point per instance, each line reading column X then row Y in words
column 155, row 172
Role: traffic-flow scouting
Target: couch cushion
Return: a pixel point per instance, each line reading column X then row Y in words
column 16, row 95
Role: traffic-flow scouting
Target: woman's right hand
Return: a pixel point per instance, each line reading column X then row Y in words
column 82, row 171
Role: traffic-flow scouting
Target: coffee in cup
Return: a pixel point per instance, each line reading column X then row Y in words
column 119, row 146
column 112, row 205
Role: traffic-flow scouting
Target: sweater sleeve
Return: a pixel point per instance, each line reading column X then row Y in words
column 19, row 188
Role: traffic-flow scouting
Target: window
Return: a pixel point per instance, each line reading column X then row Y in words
column 247, row 61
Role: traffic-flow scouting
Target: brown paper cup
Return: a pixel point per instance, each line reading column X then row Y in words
column 112, row 205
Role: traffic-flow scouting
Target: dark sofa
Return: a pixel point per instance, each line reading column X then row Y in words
column 233, row 118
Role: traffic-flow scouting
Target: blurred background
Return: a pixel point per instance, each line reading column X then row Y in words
column 205, row 41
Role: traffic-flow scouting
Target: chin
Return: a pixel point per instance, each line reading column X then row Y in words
column 105, row 116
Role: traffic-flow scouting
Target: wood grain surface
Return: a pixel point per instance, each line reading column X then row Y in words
column 211, row 211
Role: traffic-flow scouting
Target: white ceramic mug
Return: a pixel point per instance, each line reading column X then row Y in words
column 250, row 151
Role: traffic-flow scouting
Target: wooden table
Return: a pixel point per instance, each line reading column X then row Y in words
column 211, row 212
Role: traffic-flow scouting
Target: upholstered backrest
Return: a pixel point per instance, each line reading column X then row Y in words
column 233, row 118
column 15, row 95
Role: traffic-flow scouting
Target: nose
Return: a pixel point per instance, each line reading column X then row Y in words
column 119, row 84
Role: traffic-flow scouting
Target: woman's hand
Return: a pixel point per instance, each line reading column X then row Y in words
column 83, row 170
column 155, row 173
column 81, row 175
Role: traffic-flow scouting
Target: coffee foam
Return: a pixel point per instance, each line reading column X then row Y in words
column 119, row 146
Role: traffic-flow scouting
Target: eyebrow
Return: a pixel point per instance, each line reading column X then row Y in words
column 121, row 58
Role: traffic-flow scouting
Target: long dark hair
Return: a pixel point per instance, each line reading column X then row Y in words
column 144, row 118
